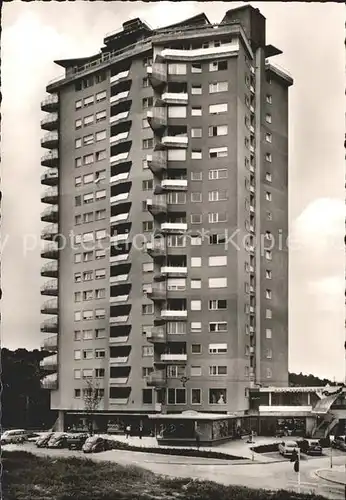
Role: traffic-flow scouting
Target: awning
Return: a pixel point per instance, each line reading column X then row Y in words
column 191, row 415
column 323, row 405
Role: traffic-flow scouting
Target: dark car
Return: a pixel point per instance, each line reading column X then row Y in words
column 42, row 441
column 339, row 442
column 58, row 440
column 76, row 441
column 311, row 447
column 95, row 444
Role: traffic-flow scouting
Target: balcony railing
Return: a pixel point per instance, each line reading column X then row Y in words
column 156, row 336
column 157, row 205
column 174, row 184
column 156, row 292
column 50, row 270
column 119, row 340
column 174, row 227
column 175, row 141
column 118, row 380
column 174, row 313
column 119, row 359
column 157, row 162
column 50, row 287
column 50, row 159
column 119, row 258
column 174, row 270
column 181, row 98
column 49, row 232
column 119, row 157
column 156, row 248
column 119, row 218
column 157, row 74
column 50, row 251
column 156, row 379
column 157, row 118
column 118, row 117
column 119, row 197
column 119, row 137
column 119, row 96
column 50, row 195
column 118, row 319
column 50, row 343
column 115, row 179
column 173, row 358
column 50, row 103
column 119, row 76
column 209, row 52
column 119, row 298
column 119, row 278
column 50, row 140
column 117, row 238
column 50, row 122
column 49, row 325
column 50, row 381
column 118, row 401
column 50, row 363
column 51, row 177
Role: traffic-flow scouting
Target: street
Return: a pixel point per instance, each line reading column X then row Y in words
column 275, row 475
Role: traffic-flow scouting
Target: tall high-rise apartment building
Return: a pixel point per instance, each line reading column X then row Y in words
column 167, row 166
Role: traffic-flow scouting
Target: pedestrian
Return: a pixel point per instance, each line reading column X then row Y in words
column 198, row 439
column 128, row 431
column 140, row 430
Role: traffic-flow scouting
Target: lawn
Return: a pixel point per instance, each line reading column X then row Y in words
column 29, row 477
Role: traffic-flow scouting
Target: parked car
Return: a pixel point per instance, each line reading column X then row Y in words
column 311, row 447
column 95, row 444
column 33, row 437
column 14, row 436
column 58, row 440
column 76, row 441
column 43, row 440
column 286, row 448
column 339, row 442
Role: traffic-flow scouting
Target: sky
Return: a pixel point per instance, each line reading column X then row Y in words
column 311, row 36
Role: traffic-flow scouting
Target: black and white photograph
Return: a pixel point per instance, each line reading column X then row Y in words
column 173, row 250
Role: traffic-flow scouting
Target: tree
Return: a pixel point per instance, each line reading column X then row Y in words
column 300, row 380
column 92, row 397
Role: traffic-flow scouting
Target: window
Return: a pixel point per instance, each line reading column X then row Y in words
column 268, row 118
column 176, row 155
column 148, row 267
column 196, row 240
column 268, row 157
column 145, row 123
column 147, row 225
column 101, row 96
column 217, row 282
column 100, row 135
column 218, row 195
column 77, row 258
column 77, row 316
column 100, row 214
column 269, row 216
column 218, row 152
column 196, row 68
column 269, row 256
column 88, row 178
column 196, row 284
column 196, row 197
column 100, row 234
column 196, row 261
column 88, row 101
column 218, row 66
column 268, row 294
column 100, row 195
column 196, row 176
column 77, row 296
column 218, row 326
column 78, row 123
column 268, row 333
column 100, row 254
column 78, row 162
column 100, row 116
column 269, row 354
column 88, row 236
column 88, row 139
column 268, row 177
column 176, row 197
column 77, row 393
column 145, row 82
column 77, row 373
column 196, row 326
column 147, row 102
column 100, row 313
column 147, row 350
column 220, row 173
column 269, row 314
column 88, row 354
column 269, row 99
column 176, row 328
column 87, row 334
column 196, row 154
column 99, row 372
column 100, row 293
column 78, row 181
column 217, row 305
column 196, row 305
column 147, row 185
column 176, row 396
column 196, row 348
column 87, row 275
column 218, row 130
column 196, row 371
column 88, row 120
column 101, row 155
column 88, row 198
column 177, row 111
column 100, row 353
column 78, row 219
column 196, row 132
column 217, row 396
column 148, row 143
column 220, row 260
column 175, row 240
column 216, row 109
column 268, row 196
column 196, row 111
column 146, row 371
column 100, row 333
column 218, row 87
column 78, row 143
column 148, row 309
column 147, row 396
column 88, row 315
column 196, row 394
column 215, row 217
column 217, row 370
column 196, row 89
column 268, row 137
column 196, row 218
column 77, row 335
column 77, row 355
column 147, row 61
column 78, row 104
column 269, row 373
column 217, row 348
column 88, row 159
column 177, row 69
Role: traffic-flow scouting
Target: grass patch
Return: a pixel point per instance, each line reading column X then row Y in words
column 182, row 452
column 27, row 476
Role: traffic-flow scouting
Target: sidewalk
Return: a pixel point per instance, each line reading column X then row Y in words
column 335, row 475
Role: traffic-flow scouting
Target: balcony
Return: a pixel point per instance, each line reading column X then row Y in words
column 50, row 140
column 252, row 148
column 156, row 379
column 169, row 314
column 119, row 157
column 157, row 205
column 157, row 74
column 119, row 360
column 118, row 380
column 119, row 197
column 157, row 293
column 122, row 75
column 252, row 89
column 51, row 177
column 174, row 227
column 224, row 50
column 174, row 184
column 119, row 238
column 118, row 401
column 252, row 350
column 157, row 118
column 50, row 195
column 171, row 271
column 50, row 103
column 156, row 248
column 119, row 137
column 50, row 251
column 50, row 325
column 50, row 270
column 180, row 98
column 50, row 363
column 118, row 299
column 252, row 108
column 119, row 96
column 118, row 117
column 115, row 259
column 120, row 278
column 50, row 159
column 50, row 343
column 115, row 320
column 157, row 335
column 118, row 340
column 119, row 218
column 50, row 288
column 157, row 162
column 50, row 382
column 117, row 179
column 50, row 232
column 173, row 358
column 50, row 122
column 175, row 141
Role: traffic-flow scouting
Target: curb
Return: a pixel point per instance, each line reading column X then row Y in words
column 334, row 481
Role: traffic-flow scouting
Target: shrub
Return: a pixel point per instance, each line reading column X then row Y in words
column 266, row 448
